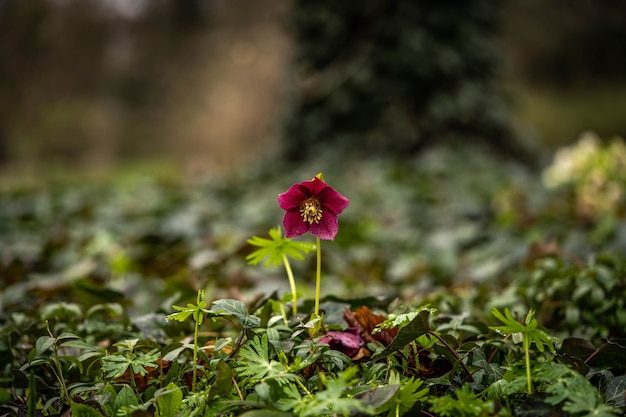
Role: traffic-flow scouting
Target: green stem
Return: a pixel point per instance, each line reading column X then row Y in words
column 58, row 372
column 454, row 352
column 318, row 276
column 195, row 354
column 131, row 376
column 282, row 312
column 292, row 284
column 526, row 343
column 32, row 395
column 308, row 393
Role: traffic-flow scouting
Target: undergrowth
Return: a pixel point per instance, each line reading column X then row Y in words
column 108, row 309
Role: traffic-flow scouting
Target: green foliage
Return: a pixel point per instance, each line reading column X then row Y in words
column 401, row 320
column 562, row 388
column 278, row 250
column 117, row 364
column 256, row 362
column 528, row 330
column 529, row 334
column 332, row 400
column 235, row 308
column 465, row 404
column 82, row 410
column 416, row 327
column 405, row 398
column 169, row 402
column 587, row 298
column 145, row 340
column 272, row 250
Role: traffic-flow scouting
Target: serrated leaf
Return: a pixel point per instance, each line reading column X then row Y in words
column 407, row 395
column 235, row 308
column 273, row 250
column 529, row 329
column 197, row 311
column 115, row 366
column 255, row 360
column 331, row 401
column 181, row 316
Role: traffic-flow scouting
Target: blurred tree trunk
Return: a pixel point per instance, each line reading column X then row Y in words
column 187, row 12
column 382, row 77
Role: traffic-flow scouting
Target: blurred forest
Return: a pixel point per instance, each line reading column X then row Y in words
column 213, row 84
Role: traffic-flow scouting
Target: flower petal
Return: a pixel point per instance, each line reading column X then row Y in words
column 292, row 198
column 316, row 186
column 348, row 342
column 330, row 202
column 330, row 199
column 294, row 224
column 327, row 227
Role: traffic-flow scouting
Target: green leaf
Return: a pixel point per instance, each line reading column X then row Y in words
column 332, row 400
column 145, row 360
column 235, row 308
column 530, row 328
column 83, row 410
column 66, row 335
column 265, row 413
column 401, row 320
column 418, row 326
column 74, row 361
column 223, row 383
column 404, row 397
column 169, row 402
column 272, row 250
column 379, row 397
column 255, row 360
column 615, row 391
column 125, row 398
column 127, row 345
column 80, row 344
column 491, row 371
column 115, row 366
column 466, row 404
column 43, row 344
column 109, row 395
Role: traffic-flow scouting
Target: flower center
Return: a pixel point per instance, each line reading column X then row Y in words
column 311, row 211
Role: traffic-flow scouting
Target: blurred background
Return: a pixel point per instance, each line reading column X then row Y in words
column 212, row 85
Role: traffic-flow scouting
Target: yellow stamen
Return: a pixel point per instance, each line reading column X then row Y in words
column 311, row 211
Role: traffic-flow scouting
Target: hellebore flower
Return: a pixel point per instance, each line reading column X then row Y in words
column 312, row 206
column 348, row 341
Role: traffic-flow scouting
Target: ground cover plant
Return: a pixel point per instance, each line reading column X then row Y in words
column 499, row 293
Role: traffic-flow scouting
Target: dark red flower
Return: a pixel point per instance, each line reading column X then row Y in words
column 348, row 341
column 312, row 206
